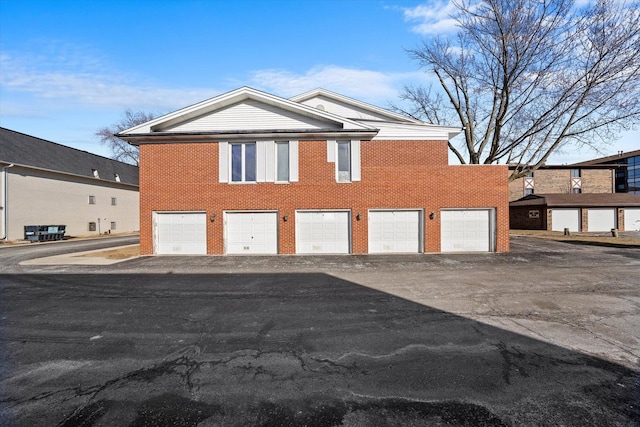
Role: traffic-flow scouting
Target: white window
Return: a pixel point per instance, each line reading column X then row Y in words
column 260, row 161
column 114, row 201
column 113, row 225
column 282, row 161
column 243, row 162
column 344, row 161
column 92, row 200
column 346, row 156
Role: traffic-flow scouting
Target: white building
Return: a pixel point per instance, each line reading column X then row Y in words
column 44, row 183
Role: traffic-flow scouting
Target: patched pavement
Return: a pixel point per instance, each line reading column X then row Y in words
column 545, row 335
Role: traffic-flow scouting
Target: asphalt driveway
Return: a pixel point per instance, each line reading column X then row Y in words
column 545, row 335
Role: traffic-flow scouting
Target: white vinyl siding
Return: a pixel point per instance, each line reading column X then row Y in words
column 395, row 231
column 254, row 233
column 180, row 233
column 466, row 230
column 223, row 162
column 293, row 161
column 323, row 232
column 251, row 115
column 565, row 218
column 603, row 219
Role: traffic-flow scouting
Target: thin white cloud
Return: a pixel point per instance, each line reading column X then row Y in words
column 74, row 78
column 366, row 85
column 434, row 17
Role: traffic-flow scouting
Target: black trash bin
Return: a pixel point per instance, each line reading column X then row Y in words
column 44, row 233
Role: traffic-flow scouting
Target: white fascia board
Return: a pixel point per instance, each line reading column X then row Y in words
column 345, row 99
column 233, row 97
column 254, row 135
column 405, row 131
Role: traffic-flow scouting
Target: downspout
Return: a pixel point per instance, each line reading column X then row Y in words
column 5, row 189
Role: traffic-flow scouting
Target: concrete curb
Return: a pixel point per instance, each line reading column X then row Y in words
column 79, row 258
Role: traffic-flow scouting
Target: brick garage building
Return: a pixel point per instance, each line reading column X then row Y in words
column 248, row 172
column 576, row 212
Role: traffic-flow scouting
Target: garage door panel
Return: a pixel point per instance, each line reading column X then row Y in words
column 565, row 218
column 465, row 230
column 601, row 219
column 322, row 232
column 183, row 233
column 254, row 233
column 394, row 231
column 632, row 219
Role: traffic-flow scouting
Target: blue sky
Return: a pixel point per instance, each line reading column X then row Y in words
column 68, row 68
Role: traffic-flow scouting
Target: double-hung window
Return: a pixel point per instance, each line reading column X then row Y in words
column 243, row 162
column 344, row 161
column 282, row 161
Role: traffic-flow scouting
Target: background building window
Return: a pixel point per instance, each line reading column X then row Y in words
column 92, row 200
column 92, row 226
column 113, row 225
column 114, row 201
column 575, row 173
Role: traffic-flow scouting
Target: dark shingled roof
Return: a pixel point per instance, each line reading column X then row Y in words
column 593, row 200
column 609, row 159
column 26, row 150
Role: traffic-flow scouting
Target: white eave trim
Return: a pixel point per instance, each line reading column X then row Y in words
column 315, row 134
column 230, row 98
column 410, row 131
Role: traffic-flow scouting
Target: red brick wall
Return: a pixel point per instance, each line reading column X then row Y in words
column 395, row 174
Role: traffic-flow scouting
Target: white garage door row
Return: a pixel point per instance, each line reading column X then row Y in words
column 323, row 232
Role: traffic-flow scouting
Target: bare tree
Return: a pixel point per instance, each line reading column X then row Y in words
column 121, row 149
column 526, row 77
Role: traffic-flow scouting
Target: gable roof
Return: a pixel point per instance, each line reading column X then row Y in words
column 29, row 151
column 579, row 200
column 250, row 113
column 202, row 123
column 349, row 107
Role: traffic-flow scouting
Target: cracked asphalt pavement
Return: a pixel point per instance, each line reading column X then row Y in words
column 546, row 335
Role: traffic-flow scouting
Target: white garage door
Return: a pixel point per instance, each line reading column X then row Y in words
column 180, row 233
column 632, row 219
column 251, row 233
column 394, row 231
column 466, row 230
column 601, row 219
column 322, row 232
column 565, row 218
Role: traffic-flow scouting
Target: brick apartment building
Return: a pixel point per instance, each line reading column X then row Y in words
column 561, row 179
column 248, row 172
